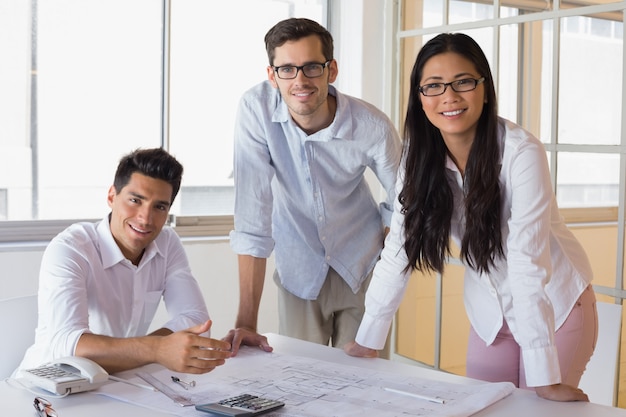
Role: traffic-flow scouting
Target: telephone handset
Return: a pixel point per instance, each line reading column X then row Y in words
column 67, row 375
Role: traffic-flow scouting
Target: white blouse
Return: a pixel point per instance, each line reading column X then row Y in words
column 533, row 288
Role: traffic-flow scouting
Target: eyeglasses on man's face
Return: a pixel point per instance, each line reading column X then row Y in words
column 289, row 72
column 460, row 86
column 44, row 408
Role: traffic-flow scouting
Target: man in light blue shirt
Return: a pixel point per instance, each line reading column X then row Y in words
column 301, row 151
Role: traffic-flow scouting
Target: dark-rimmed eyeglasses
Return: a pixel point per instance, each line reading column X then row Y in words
column 460, row 86
column 289, row 72
column 44, row 408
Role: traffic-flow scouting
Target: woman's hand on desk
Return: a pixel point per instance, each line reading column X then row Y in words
column 354, row 349
column 244, row 336
column 561, row 392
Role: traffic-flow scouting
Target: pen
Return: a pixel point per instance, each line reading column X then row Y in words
column 421, row 397
column 148, row 387
column 183, row 383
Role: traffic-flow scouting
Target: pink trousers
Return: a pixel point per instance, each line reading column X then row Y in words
column 575, row 342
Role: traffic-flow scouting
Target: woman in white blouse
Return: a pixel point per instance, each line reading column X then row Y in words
column 483, row 181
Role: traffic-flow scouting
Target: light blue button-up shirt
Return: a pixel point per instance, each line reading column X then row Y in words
column 306, row 197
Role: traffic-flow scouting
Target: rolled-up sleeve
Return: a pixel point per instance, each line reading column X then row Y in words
column 253, row 173
column 63, row 298
column 385, row 167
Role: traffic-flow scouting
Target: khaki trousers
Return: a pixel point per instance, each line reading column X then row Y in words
column 332, row 319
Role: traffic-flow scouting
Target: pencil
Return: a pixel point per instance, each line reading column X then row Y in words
column 419, row 396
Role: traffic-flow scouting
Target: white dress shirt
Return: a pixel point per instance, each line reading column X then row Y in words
column 533, row 288
column 86, row 285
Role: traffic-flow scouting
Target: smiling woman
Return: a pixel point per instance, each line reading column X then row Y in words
column 474, row 180
column 454, row 111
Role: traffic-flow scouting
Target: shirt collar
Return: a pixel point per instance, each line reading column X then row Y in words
column 451, row 165
column 340, row 128
column 112, row 254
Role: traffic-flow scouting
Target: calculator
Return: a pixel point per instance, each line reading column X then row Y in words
column 241, row 406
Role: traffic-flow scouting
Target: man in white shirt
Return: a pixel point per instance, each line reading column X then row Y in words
column 101, row 283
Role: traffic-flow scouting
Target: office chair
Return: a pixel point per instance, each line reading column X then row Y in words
column 599, row 381
column 18, row 321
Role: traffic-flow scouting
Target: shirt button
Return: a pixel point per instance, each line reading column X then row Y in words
column 328, row 258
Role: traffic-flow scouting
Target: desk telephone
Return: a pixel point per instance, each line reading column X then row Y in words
column 67, row 375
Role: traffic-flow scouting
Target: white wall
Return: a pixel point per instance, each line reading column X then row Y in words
column 213, row 263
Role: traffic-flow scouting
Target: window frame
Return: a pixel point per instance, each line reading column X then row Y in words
column 611, row 214
column 339, row 21
column 20, row 234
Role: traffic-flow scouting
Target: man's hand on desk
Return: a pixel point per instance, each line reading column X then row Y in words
column 243, row 336
column 354, row 349
column 561, row 392
column 188, row 352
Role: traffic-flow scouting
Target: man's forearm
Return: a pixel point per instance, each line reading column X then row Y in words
column 118, row 354
column 251, row 281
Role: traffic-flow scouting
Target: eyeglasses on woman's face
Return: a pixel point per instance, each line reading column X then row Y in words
column 460, row 86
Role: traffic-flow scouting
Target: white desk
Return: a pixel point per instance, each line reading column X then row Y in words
column 522, row 403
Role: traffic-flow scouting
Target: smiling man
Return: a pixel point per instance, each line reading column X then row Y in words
column 100, row 283
column 301, row 151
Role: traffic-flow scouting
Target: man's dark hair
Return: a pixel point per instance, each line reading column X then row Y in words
column 155, row 163
column 297, row 28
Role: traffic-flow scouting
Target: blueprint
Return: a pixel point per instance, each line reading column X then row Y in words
column 312, row 388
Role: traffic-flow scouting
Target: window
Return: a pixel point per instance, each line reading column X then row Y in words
column 85, row 82
column 547, row 58
column 566, row 115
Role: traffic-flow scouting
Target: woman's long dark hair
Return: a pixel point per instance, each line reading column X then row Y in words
column 426, row 196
